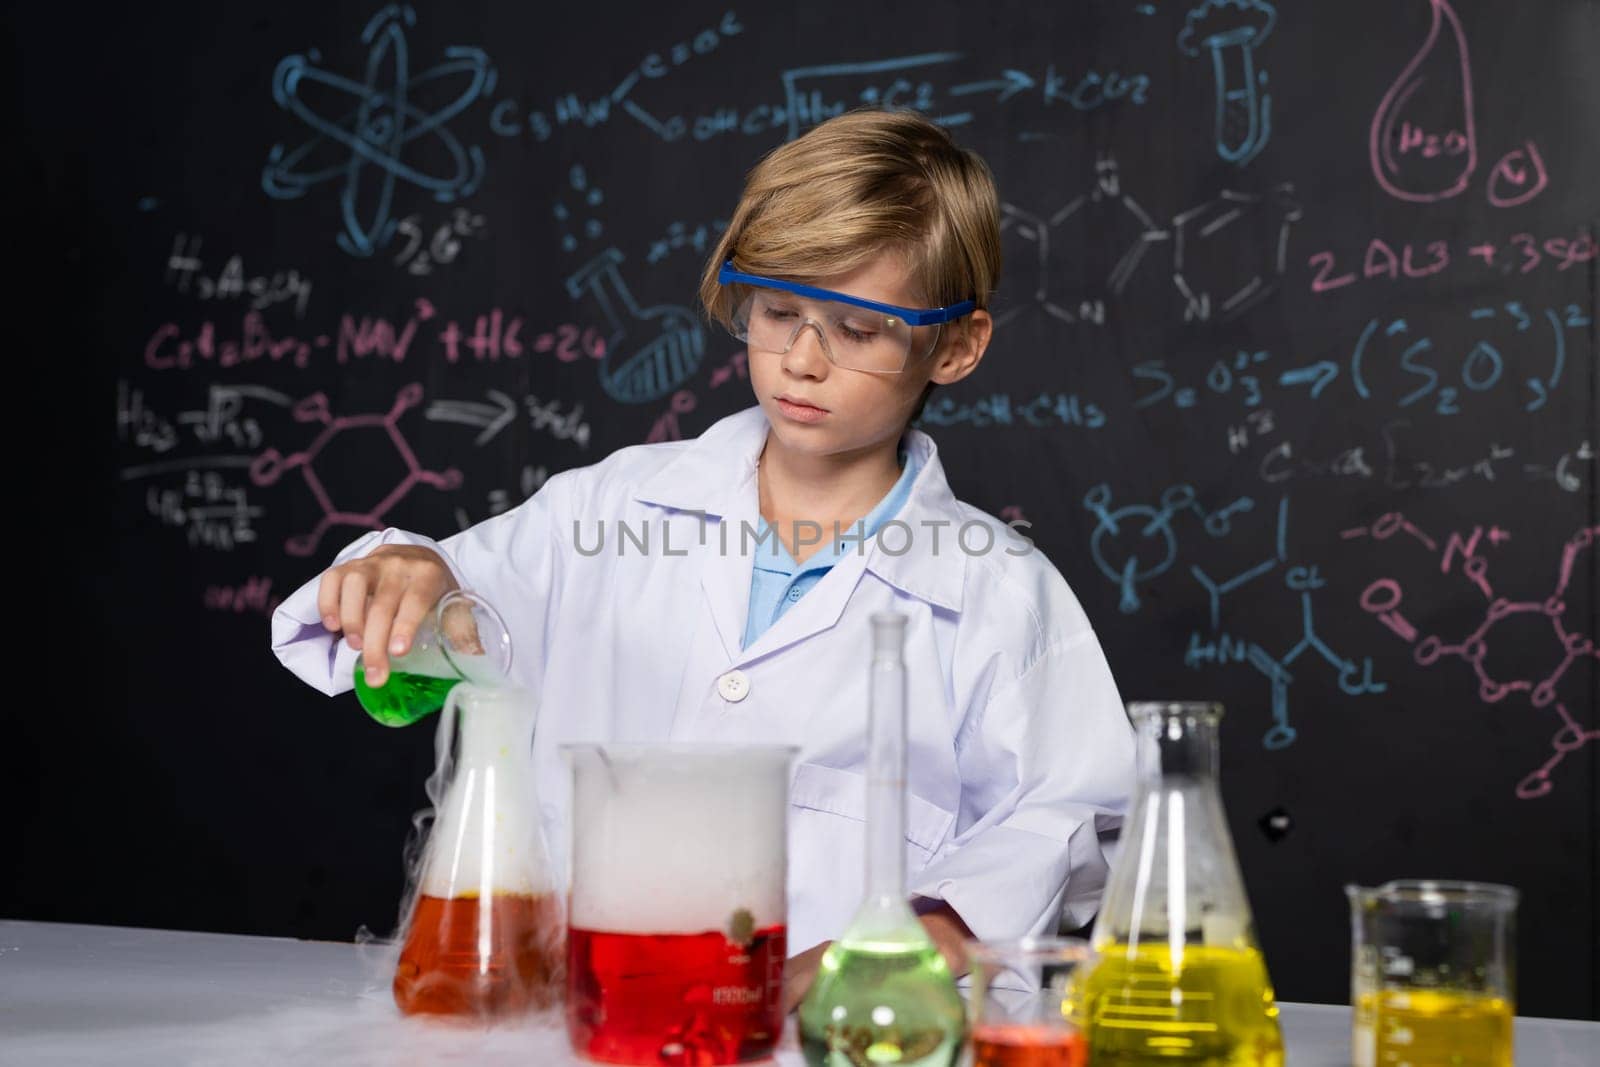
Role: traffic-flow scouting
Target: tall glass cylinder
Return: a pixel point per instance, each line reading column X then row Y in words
column 883, row 992
column 1179, row 977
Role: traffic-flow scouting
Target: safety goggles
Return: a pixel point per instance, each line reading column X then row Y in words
column 856, row 334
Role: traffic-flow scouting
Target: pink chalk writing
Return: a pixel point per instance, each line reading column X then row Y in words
column 1518, row 177
column 271, row 465
column 254, row 595
column 1430, row 153
column 1383, row 597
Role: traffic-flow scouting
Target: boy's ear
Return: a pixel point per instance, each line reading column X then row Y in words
column 962, row 349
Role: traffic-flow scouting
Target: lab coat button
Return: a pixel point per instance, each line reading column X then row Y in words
column 734, row 686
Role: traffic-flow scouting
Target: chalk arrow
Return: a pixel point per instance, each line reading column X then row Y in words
column 1010, row 83
column 492, row 417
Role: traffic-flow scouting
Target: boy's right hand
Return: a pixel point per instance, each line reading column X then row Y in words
column 379, row 600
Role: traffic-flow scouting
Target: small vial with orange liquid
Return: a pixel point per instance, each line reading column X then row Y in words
column 483, row 937
column 1024, row 1002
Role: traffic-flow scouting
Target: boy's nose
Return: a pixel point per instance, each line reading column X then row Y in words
column 807, row 355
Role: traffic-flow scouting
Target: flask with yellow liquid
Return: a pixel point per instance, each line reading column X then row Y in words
column 1179, row 979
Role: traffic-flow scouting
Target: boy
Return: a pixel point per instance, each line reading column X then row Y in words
column 856, row 268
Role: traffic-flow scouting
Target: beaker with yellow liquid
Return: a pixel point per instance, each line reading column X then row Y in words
column 1432, row 973
column 1178, row 979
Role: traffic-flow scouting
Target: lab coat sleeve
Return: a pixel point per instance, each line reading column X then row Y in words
column 514, row 559
column 1045, row 767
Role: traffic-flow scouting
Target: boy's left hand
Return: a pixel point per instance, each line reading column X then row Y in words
column 944, row 926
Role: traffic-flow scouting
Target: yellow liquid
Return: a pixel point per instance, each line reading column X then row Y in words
column 1433, row 1026
column 1215, row 1008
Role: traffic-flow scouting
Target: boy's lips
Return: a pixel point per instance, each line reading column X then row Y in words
column 800, row 410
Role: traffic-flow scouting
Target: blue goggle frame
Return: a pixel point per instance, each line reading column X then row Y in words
column 912, row 316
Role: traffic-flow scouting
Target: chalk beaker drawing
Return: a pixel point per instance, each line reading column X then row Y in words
column 1230, row 31
column 1179, row 975
column 482, row 933
column 1423, row 144
column 462, row 639
column 673, row 345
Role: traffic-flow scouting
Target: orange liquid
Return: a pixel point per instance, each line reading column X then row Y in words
column 1024, row 1045
column 462, row 959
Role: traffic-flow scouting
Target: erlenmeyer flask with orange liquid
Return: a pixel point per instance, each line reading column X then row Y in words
column 1178, row 978
column 484, row 933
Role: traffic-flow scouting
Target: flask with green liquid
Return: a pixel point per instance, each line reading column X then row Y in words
column 883, row 992
column 462, row 639
column 1178, row 979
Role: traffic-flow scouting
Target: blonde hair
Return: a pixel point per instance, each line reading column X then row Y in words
column 865, row 182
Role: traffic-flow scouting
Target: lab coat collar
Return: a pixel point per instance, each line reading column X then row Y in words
column 715, row 475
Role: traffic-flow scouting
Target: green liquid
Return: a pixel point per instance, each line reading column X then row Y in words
column 404, row 698
column 869, row 1008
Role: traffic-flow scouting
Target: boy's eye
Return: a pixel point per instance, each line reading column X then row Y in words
column 855, row 328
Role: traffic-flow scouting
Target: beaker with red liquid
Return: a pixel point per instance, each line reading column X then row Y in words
column 483, row 932
column 677, row 912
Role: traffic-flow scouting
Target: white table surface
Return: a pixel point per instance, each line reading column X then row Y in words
column 72, row 994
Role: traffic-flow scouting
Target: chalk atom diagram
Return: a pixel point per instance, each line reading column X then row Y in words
column 377, row 144
column 271, row 465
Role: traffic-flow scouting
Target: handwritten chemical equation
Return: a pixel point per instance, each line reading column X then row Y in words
column 212, row 513
column 424, row 247
column 254, row 595
column 1521, row 253
column 1553, row 620
column 544, row 416
column 186, row 272
column 1042, row 411
column 1518, row 347
column 222, row 420
column 488, row 337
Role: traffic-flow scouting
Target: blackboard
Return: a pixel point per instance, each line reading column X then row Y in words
column 1295, row 380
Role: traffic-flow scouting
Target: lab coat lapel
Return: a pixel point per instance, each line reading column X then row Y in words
column 725, row 578
column 819, row 609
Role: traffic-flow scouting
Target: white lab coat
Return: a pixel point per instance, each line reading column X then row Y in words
column 1019, row 750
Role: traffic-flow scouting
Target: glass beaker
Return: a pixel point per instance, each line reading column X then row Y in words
column 1178, row 977
column 678, row 915
column 462, row 639
column 884, row 992
column 1024, row 1002
column 483, row 932
column 1432, row 973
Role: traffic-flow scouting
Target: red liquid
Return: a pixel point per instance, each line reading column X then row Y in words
column 1024, row 1045
column 444, row 971
column 679, row 999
